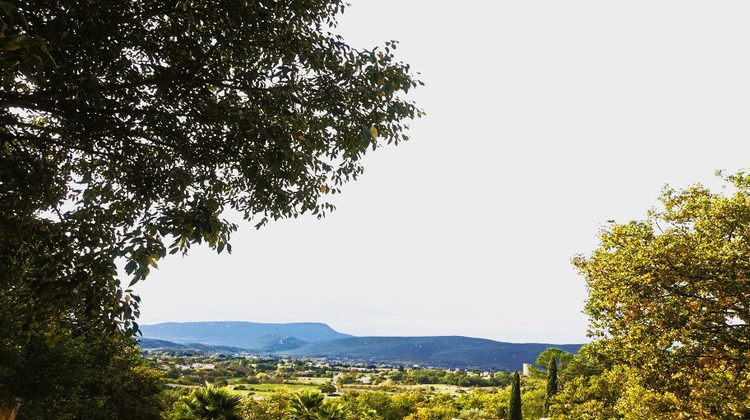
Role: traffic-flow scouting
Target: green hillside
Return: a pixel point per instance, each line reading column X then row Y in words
column 442, row 352
column 303, row 340
column 154, row 344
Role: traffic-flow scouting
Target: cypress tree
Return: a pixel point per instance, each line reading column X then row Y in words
column 551, row 383
column 514, row 405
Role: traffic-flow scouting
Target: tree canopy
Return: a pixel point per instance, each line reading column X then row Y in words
column 84, row 375
column 669, row 304
column 561, row 357
column 128, row 127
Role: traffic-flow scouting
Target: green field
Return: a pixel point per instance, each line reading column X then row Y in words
column 311, row 381
column 267, row 389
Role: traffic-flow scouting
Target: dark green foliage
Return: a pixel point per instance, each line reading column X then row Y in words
column 327, row 388
column 587, row 362
column 129, row 126
column 83, row 376
column 551, row 383
column 514, row 404
column 562, row 357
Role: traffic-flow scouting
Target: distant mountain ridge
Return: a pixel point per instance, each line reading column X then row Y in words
column 436, row 351
column 152, row 343
column 265, row 337
column 317, row 340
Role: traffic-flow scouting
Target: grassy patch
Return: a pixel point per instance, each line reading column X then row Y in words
column 267, row 389
column 311, row 381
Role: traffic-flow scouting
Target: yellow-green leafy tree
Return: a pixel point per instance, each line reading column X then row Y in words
column 591, row 388
column 669, row 303
column 273, row 407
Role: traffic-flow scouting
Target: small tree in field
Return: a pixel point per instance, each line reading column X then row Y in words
column 327, row 388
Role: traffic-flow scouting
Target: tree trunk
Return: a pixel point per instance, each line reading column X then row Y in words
column 9, row 413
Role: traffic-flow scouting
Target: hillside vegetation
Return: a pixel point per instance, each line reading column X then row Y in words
column 312, row 340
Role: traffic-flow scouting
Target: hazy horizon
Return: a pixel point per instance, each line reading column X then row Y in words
column 544, row 121
column 346, row 333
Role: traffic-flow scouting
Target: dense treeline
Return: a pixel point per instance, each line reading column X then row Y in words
column 458, row 378
column 106, row 379
column 409, row 405
column 380, row 405
column 83, row 374
column 354, row 391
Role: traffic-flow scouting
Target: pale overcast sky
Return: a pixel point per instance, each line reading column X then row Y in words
column 544, row 120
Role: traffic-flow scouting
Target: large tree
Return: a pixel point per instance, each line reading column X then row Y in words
column 669, row 302
column 82, row 375
column 128, row 127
